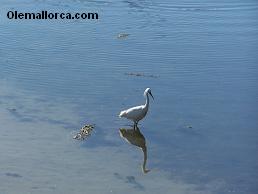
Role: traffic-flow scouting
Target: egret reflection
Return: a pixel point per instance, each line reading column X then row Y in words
column 135, row 137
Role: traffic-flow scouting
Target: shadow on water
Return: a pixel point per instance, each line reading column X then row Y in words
column 136, row 138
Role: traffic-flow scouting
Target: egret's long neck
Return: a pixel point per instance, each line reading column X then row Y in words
column 144, row 169
column 147, row 101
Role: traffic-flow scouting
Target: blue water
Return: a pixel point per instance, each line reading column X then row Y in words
column 198, row 57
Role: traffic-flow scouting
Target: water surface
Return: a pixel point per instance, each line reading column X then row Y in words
column 198, row 57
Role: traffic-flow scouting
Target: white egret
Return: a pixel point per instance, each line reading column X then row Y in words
column 137, row 113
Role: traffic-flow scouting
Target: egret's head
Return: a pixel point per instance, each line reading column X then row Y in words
column 148, row 91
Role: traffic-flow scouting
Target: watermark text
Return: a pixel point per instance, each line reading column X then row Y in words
column 45, row 15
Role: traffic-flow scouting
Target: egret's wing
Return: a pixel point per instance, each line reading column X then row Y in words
column 134, row 112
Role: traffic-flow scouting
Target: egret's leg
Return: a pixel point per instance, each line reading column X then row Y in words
column 135, row 125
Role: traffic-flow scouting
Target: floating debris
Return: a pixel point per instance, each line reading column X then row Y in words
column 84, row 132
column 122, row 36
column 189, row 126
column 141, row 75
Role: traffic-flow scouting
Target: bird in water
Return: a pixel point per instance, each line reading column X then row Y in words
column 137, row 113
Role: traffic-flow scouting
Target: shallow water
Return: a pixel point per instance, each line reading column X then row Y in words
column 200, row 60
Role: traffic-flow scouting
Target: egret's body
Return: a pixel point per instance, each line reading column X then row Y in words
column 137, row 113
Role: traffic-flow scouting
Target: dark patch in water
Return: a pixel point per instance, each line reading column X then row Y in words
column 118, row 176
column 132, row 180
column 29, row 118
column 141, row 75
column 12, row 109
column 189, row 131
column 15, row 175
column 20, row 116
column 129, row 179
column 134, row 4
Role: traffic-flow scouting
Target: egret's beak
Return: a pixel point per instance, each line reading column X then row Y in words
column 151, row 96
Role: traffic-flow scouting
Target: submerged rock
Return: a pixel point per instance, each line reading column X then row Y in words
column 84, row 132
